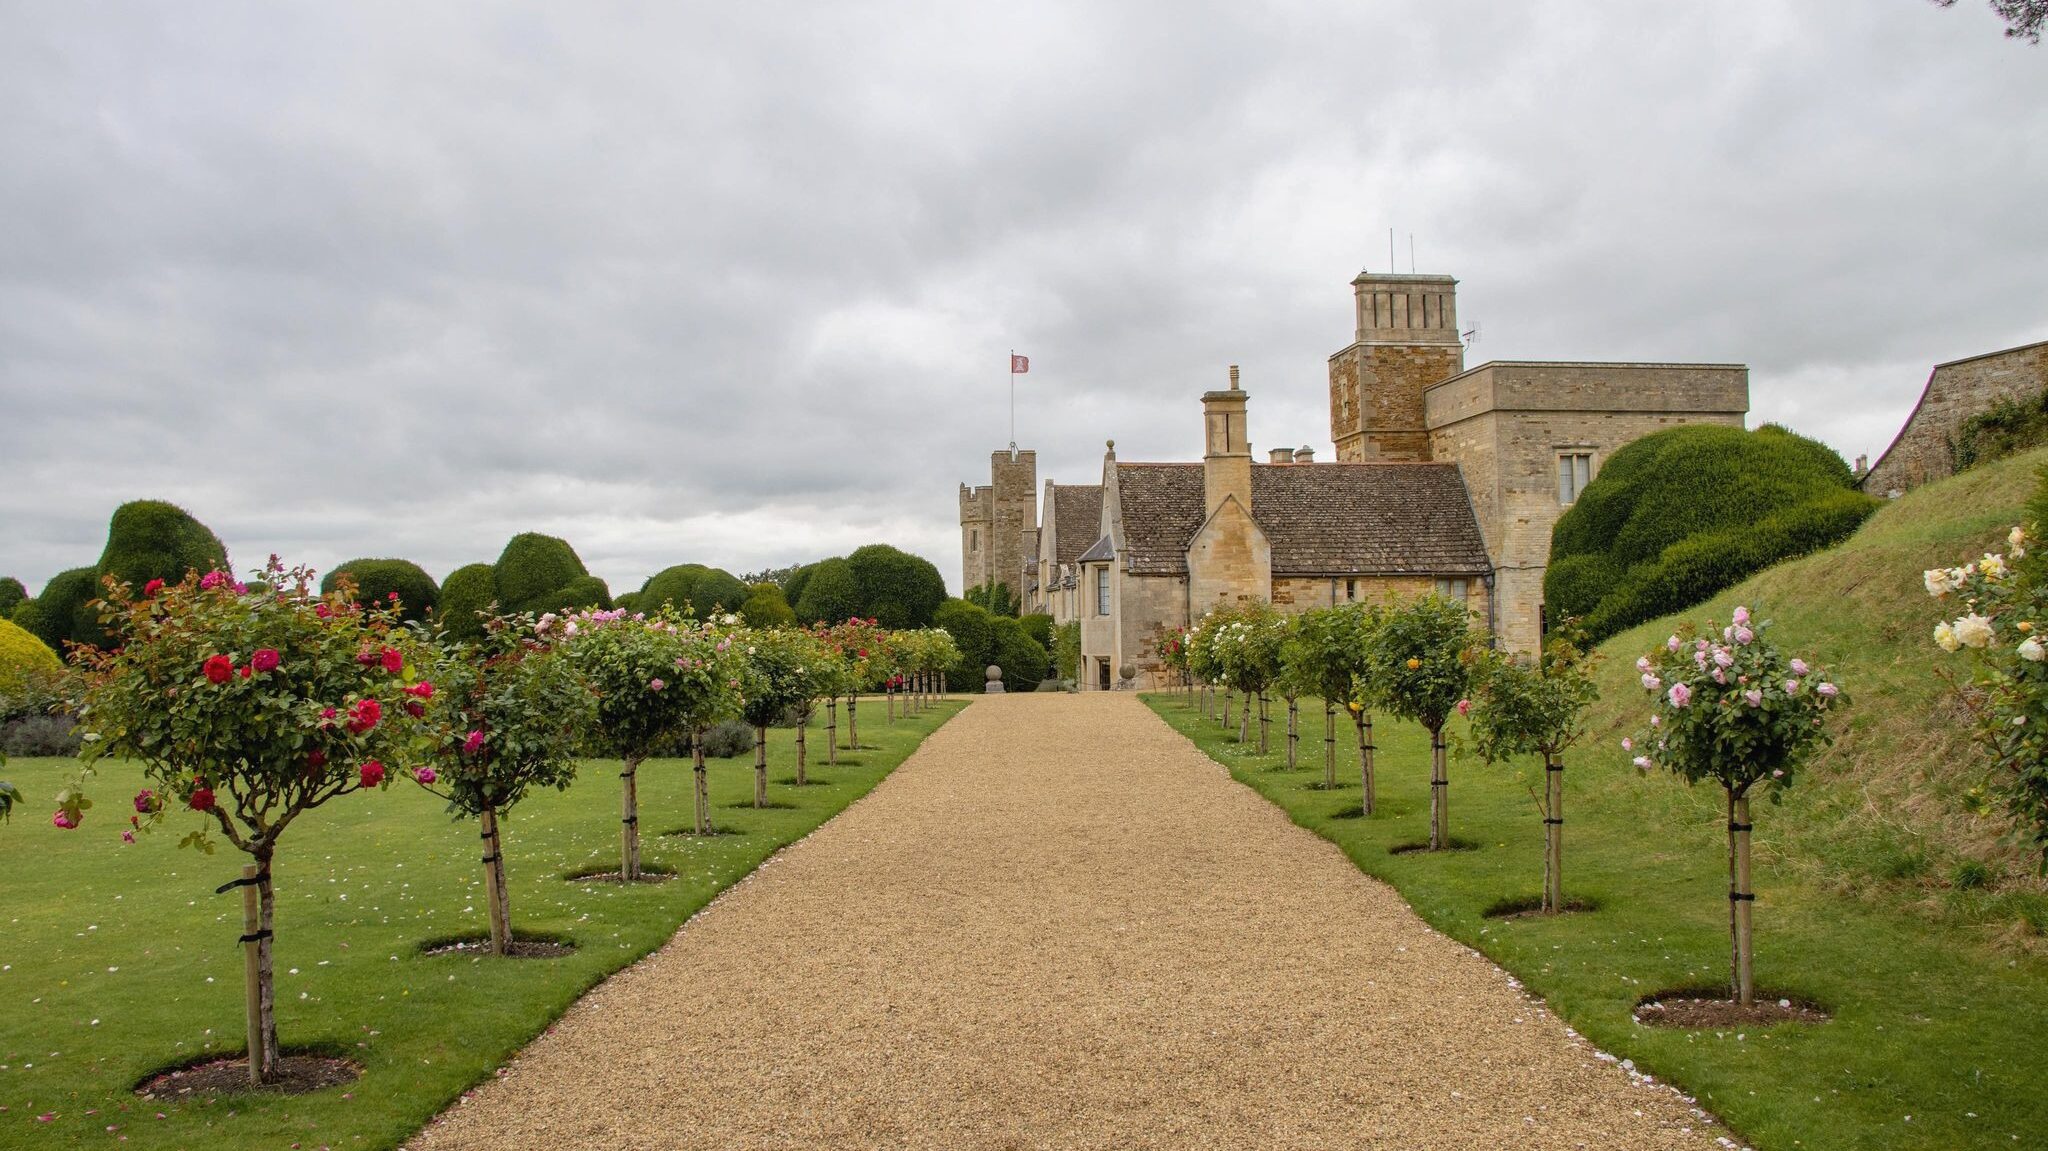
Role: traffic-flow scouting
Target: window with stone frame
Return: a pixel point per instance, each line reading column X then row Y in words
column 1102, row 590
column 1574, row 472
column 1454, row 590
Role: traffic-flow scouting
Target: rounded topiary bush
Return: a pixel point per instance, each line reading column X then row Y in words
column 896, row 589
column 581, row 592
column 534, row 569
column 151, row 539
column 1676, row 516
column 1022, row 659
column 11, row 594
column 23, row 658
column 60, row 613
column 830, row 594
column 702, row 589
column 469, row 589
column 377, row 580
column 973, row 632
column 765, row 607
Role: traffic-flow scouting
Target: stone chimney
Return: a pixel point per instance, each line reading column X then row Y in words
column 1304, row 455
column 1227, row 454
column 1280, row 456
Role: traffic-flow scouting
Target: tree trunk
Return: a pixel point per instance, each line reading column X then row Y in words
column 1740, row 899
column 1553, row 834
column 258, row 983
column 494, row 883
column 832, row 731
column 803, row 723
column 889, row 702
column 1439, row 783
column 761, row 765
column 1362, row 720
column 629, row 822
column 1244, row 719
column 703, row 782
column 1329, row 746
column 853, row 722
column 1293, row 729
column 1226, row 709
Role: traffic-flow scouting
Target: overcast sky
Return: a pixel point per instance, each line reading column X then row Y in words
column 737, row 284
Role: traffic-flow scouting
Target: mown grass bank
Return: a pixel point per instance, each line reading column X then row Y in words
column 119, row 960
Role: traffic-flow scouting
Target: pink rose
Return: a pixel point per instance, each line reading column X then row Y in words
column 265, row 659
column 213, row 579
column 425, row 775
column 422, row 689
column 323, row 611
column 127, row 837
column 145, row 801
column 1829, row 690
column 1799, row 667
column 1753, row 697
column 394, row 660
column 1744, row 635
column 1680, row 695
column 372, row 773
column 63, row 819
column 152, row 587
column 656, row 684
column 1791, row 687
column 473, row 744
column 1627, row 744
column 1741, row 615
column 1464, row 707
column 1651, row 682
column 1672, row 644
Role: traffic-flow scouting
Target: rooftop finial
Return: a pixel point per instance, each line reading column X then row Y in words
column 1233, row 377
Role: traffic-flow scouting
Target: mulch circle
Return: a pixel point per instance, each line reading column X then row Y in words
column 1422, row 847
column 1697, row 1010
column 646, row 876
column 297, row 1075
column 1531, row 907
column 517, row 949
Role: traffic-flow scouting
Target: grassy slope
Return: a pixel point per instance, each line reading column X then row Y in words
column 116, row 960
column 1940, row 994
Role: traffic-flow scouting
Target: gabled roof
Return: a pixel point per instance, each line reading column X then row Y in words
column 1101, row 551
column 1076, row 517
column 1321, row 519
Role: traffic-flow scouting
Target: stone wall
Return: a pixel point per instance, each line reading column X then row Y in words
column 1376, row 405
column 999, row 522
column 1924, row 449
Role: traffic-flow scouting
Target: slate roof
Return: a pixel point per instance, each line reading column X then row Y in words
column 1077, row 518
column 1321, row 519
column 1099, row 552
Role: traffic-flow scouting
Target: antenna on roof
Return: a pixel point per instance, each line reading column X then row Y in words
column 1411, row 253
column 1470, row 335
column 1390, row 250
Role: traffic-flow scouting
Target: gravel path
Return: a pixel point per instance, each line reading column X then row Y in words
column 1059, row 925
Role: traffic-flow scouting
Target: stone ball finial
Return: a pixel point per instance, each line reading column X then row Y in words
column 1127, row 671
column 1110, row 444
column 993, row 674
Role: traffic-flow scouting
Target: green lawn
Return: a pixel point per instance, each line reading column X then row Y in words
column 118, row 960
column 1940, row 1037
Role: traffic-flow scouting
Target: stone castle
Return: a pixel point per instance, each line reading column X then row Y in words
column 1446, row 479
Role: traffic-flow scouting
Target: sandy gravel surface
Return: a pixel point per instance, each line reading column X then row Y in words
column 1059, row 925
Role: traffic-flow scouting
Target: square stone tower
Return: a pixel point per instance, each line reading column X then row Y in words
column 994, row 520
column 1407, row 340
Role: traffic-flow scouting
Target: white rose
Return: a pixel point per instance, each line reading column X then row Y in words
column 1945, row 637
column 1974, row 630
column 2032, row 651
column 1936, row 580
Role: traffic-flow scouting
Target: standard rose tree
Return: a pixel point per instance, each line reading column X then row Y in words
column 830, row 677
column 658, row 679
column 2004, row 602
column 1739, row 712
column 512, row 713
column 785, row 665
column 1419, row 659
column 1520, row 709
column 1246, row 649
column 1326, row 655
column 246, row 710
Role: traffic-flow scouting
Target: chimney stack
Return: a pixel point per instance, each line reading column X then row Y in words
column 1227, row 455
column 1280, row 455
column 1304, row 455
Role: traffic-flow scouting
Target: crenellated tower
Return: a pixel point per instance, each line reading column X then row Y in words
column 995, row 519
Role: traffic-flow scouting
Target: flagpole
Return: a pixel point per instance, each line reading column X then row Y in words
column 1013, row 399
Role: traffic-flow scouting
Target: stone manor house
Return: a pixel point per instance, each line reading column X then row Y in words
column 1446, row 479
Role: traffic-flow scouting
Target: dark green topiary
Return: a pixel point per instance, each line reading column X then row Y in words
column 581, row 592
column 793, row 587
column 996, row 597
column 151, row 539
column 468, row 590
column 765, row 607
column 629, row 600
column 973, row 632
column 1039, row 628
column 60, row 612
column 1022, row 658
column 534, row 569
column 703, row 590
column 377, row 580
column 11, row 593
column 897, row 589
column 830, row 595
column 1676, row 516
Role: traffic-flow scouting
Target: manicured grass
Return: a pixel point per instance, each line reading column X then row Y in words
column 1932, row 1021
column 119, row 960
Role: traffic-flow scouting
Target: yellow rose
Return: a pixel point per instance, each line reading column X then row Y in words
column 1414, row 664
column 2025, row 626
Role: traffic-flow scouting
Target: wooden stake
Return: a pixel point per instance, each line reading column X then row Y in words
column 703, row 782
column 832, row 731
column 1265, row 720
column 852, row 722
column 803, row 722
column 494, row 884
column 1363, row 721
column 629, row 822
column 1553, row 838
column 252, row 974
column 761, row 766
column 1439, row 782
column 1740, row 898
column 1293, row 729
column 1329, row 746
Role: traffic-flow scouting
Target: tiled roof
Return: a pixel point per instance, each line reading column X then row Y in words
column 1099, row 552
column 1321, row 519
column 1077, row 517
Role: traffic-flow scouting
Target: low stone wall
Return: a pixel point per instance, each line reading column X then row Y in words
column 1925, row 449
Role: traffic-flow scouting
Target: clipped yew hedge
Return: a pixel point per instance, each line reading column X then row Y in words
column 377, row 580
column 1676, row 516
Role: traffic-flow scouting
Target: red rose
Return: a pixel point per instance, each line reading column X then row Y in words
column 202, row 799
column 372, row 774
column 414, row 709
column 265, row 659
column 219, row 668
column 322, row 610
column 152, row 587
column 245, row 673
column 364, row 715
column 317, row 759
column 392, row 596
column 423, row 689
column 366, row 657
column 394, row 660
column 145, row 801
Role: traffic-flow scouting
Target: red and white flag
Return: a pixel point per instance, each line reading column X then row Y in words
column 1019, row 364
